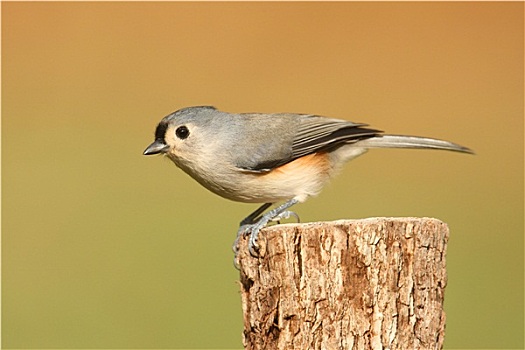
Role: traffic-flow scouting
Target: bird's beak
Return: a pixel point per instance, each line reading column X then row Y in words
column 156, row 147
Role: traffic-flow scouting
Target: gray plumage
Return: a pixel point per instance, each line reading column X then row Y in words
column 260, row 142
column 267, row 158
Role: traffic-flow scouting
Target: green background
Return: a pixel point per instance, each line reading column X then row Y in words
column 105, row 248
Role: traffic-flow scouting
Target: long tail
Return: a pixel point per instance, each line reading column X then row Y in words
column 402, row 141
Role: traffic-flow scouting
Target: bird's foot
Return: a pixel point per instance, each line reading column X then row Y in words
column 286, row 215
column 249, row 226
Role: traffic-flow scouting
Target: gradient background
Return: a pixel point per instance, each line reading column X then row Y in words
column 105, row 248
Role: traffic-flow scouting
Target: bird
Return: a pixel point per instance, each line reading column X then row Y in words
column 269, row 158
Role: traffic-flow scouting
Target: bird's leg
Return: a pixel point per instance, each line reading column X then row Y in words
column 253, row 217
column 263, row 221
column 254, row 222
column 286, row 215
column 247, row 222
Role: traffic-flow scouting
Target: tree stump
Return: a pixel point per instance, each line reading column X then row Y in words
column 376, row 283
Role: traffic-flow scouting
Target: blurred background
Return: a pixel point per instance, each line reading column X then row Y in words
column 105, row 248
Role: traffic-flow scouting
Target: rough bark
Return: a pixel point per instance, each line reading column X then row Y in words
column 352, row 284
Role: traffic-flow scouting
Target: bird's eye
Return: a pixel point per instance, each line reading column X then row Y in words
column 182, row 132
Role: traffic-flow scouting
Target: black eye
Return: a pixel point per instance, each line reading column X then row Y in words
column 182, row 132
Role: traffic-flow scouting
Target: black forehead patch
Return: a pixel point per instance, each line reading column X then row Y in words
column 160, row 132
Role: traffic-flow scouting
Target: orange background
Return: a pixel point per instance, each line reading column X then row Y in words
column 105, row 248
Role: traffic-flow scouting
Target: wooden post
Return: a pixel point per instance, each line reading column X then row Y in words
column 352, row 284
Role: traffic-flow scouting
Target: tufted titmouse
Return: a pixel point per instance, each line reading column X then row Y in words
column 268, row 158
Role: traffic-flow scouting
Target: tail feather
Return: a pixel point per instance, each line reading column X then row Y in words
column 401, row 141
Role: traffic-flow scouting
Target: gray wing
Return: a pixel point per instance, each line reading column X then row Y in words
column 287, row 137
column 317, row 134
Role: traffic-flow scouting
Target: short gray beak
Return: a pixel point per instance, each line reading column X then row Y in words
column 156, row 147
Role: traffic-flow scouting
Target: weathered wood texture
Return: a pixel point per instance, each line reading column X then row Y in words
column 355, row 284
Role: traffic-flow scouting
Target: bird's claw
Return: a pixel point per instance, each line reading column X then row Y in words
column 253, row 231
column 241, row 232
column 286, row 215
column 253, row 224
column 253, row 247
